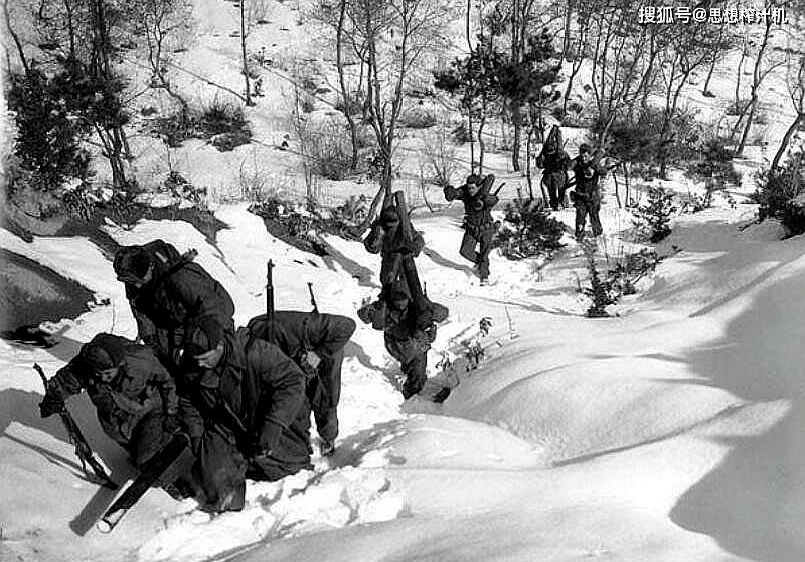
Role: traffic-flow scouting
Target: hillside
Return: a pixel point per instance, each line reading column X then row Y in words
column 667, row 431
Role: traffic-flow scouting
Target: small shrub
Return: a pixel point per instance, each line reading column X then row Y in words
column 221, row 121
column 655, row 215
column 326, row 148
column 351, row 106
column 621, row 279
column 461, row 133
column 219, row 116
column 440, row 156
column 178, row 186
column 350, row 213
column 780, row 193
column 597, row 290
column 528, row 231
column 418, row 117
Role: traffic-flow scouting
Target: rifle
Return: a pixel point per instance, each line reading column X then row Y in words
column 155, row 467
column 270, row 299
column 498, row 189
column 312, row 297
column 77, row 439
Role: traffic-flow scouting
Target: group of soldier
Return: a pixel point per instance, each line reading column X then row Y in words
column 243, row 397
column 479, row 226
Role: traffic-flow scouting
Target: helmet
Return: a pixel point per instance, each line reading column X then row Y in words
column 131, row 264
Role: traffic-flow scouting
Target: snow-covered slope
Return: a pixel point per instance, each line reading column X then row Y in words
column 666, row 433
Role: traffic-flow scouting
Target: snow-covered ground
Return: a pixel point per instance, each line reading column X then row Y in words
column 668, row 432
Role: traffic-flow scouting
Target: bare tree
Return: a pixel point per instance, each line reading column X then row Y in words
column 396, row 34
column 620, row 59
column 166, row 25
column 689, row 47
column 759, row 74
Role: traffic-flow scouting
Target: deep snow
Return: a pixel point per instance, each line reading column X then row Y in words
column 665, row 433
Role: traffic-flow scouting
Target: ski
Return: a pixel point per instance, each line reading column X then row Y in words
column 151, row 472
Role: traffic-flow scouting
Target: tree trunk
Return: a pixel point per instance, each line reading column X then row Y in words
column 568, row 19
column 353, row 129
column 517, row 122
column 757, row 78
column 472, row 143
column 714, row 61
column 529, row 135
column 16, row 38
column 243, row 49
column 481, row 145
column 781, row 150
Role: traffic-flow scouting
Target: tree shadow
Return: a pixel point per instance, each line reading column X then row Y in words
column 442, row 261
column 753, row 502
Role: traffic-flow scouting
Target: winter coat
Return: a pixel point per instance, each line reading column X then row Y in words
column 390, row 247
column 553, row 163
column 477, row 208
column 256, row 391
column 296, row 333
column 587, row 190
column 142, row 386
column 180, row 296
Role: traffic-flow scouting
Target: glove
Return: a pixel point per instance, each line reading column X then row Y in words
column 171, row 424
column 267, row 440
column 311, row 361
column 50, row 405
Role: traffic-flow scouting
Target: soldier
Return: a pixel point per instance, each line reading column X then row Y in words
column 134, row 395
column 407, row 334
column 316, row 343
column 555, row 162
column 479, row 228
column 250, row 414
column 170, row 295
column 386, row 237
column 587, row 195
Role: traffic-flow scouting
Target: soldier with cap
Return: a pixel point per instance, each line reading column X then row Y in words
column 479, row 227
column 170, row 295
column 134, row 395
column 587, row 195
column 408, row 331
column 248, row 414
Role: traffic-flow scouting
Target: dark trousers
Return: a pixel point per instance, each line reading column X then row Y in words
column 324, row 393
column 413, row 363
column 556, row 184
column 584, row 209
column 481, row 257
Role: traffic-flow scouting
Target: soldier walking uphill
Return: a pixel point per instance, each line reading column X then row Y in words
column 133, row 393
column 479, row 228
column 405, row 315
column 587, row 196
column 170, row 295
column 554, row 162
column 249, row 415
column 315, row 341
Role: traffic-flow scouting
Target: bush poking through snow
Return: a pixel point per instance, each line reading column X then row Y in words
column 223, row 122
column 301, row 228
column 440, row 156
column 178, row 186
column 326, row 148
column 597, row 290
column 528, row 231
column 628, row 270
column 655, row 215
column 781, row 194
